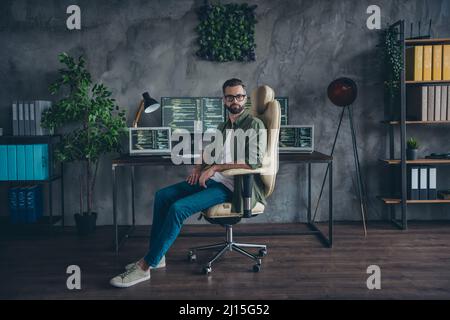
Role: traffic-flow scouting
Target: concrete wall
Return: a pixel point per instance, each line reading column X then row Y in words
column 137, row 46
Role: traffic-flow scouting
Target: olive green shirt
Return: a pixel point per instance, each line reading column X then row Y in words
column 246, row 121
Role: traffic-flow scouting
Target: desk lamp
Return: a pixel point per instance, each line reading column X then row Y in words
column 148, row 105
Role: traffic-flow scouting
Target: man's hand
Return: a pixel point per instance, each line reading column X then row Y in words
column 195, row 174
column 205, row 175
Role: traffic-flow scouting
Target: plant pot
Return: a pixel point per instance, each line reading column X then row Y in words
column 411, row 154
column 85, row 223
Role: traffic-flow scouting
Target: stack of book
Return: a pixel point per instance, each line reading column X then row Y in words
column 24, row 162
column 428, row 103
column 25, row 204
column 26, row 117
column 428, row 63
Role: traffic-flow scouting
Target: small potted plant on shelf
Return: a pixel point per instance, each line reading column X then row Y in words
column 412, row 149
column 90, row 124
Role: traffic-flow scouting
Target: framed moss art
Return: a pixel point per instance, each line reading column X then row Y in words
column 227, row 32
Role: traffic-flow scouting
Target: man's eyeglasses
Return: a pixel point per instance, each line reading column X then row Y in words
column 239, row 97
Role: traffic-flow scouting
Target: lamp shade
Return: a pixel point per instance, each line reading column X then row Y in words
column 150, row 104
column 342, row 92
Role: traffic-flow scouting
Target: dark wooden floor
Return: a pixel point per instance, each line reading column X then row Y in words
column 415, row 264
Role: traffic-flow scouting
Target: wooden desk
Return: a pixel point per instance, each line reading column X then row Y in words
column 293, row 158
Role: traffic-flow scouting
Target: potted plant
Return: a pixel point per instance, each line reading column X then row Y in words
column 90, row 124
column 412, row 149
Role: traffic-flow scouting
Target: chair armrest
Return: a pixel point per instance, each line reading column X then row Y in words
column 247, row 188
column 247, row 194
column 241, row 172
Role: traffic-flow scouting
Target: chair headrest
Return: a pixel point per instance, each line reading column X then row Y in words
column 261, row 96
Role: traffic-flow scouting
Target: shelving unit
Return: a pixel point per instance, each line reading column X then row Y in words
column 426, row 82
column 54, row 175
column 398, row 201
column 418, row 161
column 393, row 122
column 402, row 124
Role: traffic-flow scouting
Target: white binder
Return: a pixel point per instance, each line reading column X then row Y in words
column 432, row 192
column 15, row 119
column 423, row 192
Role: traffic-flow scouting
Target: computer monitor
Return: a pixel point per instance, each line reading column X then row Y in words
column 209, row 112
column 183, row 112
column 150, row 140
column 284, row 105
column 213, row 112
column 296, row 138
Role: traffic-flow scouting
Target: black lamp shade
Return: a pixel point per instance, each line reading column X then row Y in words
column 150, row 104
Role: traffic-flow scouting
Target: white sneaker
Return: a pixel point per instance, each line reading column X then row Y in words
column 161, row 264
column 129, row 278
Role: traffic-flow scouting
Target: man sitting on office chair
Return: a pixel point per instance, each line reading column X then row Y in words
column 205, row 187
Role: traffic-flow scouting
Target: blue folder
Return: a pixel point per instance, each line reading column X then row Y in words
column 3, row 163
column 41, row 162
column 21, row 205
column 12, row 162
column 12, row 203
column 21, row 174
column 39, row 202
column 29, row 162
column 34, row 207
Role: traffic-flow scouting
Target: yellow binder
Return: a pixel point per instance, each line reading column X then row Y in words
column 427, row 62
column 414, row 63
column 437, row 62
column 446, row 63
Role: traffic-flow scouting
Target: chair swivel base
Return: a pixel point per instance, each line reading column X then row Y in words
column 229, row 245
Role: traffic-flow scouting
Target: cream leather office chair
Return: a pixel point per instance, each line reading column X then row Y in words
column 266, row 108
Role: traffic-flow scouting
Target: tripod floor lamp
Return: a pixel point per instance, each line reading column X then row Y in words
column 343, row 92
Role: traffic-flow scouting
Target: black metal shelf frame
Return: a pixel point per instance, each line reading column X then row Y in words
column 404, row 43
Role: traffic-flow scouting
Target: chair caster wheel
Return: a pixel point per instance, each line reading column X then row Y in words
column 256, row 268
column 263, row 252
column 192, row 256
column 207, row 270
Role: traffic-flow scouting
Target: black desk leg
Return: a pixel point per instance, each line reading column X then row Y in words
column 132, row 196
column 309, row 192
column 116, row 235
column 330, row 206
column 327, row 241
column 50, row 201
column 62, row 196
column 117, row 242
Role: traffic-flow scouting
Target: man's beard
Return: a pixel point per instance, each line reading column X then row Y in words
column 235, row 108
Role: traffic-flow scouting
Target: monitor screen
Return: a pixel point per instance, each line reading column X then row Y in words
column 150, row 140
column 209, row 112
column 213, row 112
column 183, row 112
column 284, row 105
column 297, row 138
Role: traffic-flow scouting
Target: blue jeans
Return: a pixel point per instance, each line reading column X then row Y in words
column 174, row 204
